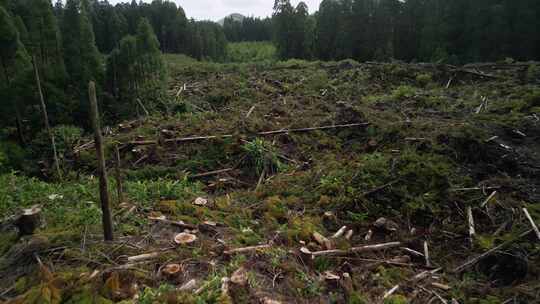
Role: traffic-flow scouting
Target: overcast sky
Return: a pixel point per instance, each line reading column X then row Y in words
column 217, row 9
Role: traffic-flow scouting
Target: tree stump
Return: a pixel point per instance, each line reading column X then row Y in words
column 29, row 220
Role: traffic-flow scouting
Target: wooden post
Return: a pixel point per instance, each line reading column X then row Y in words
column 46, row 118
column 119, row 188
column 102, row 170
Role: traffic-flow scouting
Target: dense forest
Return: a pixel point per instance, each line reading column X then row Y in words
column 119, row 46
column 248, row 29
column 456, row 31
column 74, row 42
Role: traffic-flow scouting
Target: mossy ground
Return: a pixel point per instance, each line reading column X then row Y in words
column 424, row 143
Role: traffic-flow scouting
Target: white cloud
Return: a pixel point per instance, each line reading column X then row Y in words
column 217, row 9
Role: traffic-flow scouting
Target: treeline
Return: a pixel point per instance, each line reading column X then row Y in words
column 249, row 29
column 175, row 32
column 59, row 44
column 119, row 47
column 455, row 31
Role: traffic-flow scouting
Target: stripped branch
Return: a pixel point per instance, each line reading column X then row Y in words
column 488, row 199
column 362, row 249
column 487, row 253
column 533, row 224
column 247, row 249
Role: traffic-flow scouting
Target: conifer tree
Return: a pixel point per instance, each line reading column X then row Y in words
column 91, row 58
column 15, row 64
column 283, row 22
column 135, row 71
column 327, row 31
column 45, row 41
column 149, row 55
column 21, row 28
column 71, row 34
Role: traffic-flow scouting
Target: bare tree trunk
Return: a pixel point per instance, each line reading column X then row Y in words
column 119, row 188
column 18, row 119
column 18, row 122
column 46, row 118
column 102, row 170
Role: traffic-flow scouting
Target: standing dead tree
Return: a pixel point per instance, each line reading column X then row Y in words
column 119, row 188
column 102, row 170
column 46, row 118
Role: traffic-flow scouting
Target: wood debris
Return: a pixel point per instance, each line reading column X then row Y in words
column 531, row 221
column 185, row 238
column 353, row 250
column 247, row 249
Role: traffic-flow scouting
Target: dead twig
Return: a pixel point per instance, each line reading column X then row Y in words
column 488, row 199
column 487, row 253
column 362, row 249
column 475, row 189
column 426, row 254
column 533, row 224
column 472, row 230
column 339, row 233
column 210, row 173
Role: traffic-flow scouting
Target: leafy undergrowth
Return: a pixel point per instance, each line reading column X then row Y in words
column 433, row 148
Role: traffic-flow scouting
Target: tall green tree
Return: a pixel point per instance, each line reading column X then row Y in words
column 15, row 64
column 327, row 29
column 135, row 72
column 45, row 42
column 71, row 30
column 283, row 17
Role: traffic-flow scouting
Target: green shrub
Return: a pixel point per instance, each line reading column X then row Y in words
column 3, row 162
column 396, row 299
column 161, row 189
column 66, row 137
column 533, row 72
column 424, row 79
column 219, row 97
column 12, row 157
column 533, row 99
column 403, row 92
column 262, row 156
column 427, row 179
column 357, row 298
column 318, row 81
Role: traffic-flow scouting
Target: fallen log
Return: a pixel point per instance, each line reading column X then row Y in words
column 314, row 129
column 265, row 133
column 144, row 257
column 361, row 249
column 210, row 173
column 246, row 249
column 197, row 138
